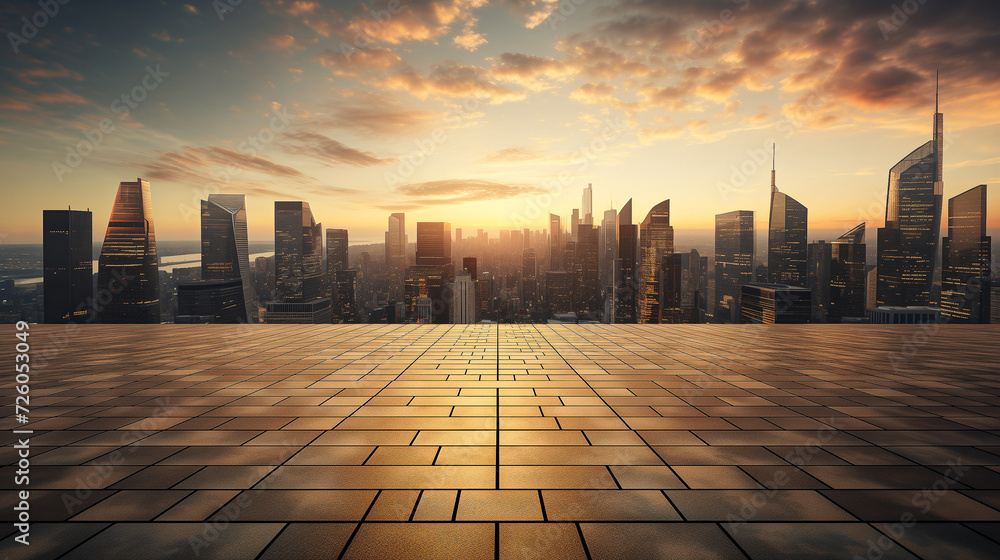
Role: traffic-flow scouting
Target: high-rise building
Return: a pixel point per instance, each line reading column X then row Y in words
column 529, row 278
column 434, row 244
column 559, row 292
column 555, row 243
column 127, row 267
column 588, row 205
column 774, row 303
column 68, row 266
column 210, row 301
column 225, row 252
column 588, row 298
column 908, row 244
column 819, row 280
column 574, row 222
column 463, row 304
column 734, row 250
column 681, row 280
column 609, row 248
column 298, row 267
column 336, row 250
column 848, row 279
column 626, row 269
column 787, row 236
column 344, row 295
column 656, row 238
column 966, row 260
column 484, row 297
column 395, row 241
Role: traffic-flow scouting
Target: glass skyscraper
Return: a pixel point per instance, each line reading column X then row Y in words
column 787, row 238
column 298, row 267
column 341, row 280
column 555, row 243
column 908, row 244
column 848, row 282
column 128, row 280
column 609, row 248
column 586, row 267
column 626, row 269
column 225, row 253
column 68, row 265
column 966, row 260
column 656, row 238
column 395, row 242
column 734, row 246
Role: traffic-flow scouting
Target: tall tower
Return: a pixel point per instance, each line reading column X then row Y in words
column 395, row 241
column 298, row 267
column 339, row 278
column 463, row 304
column 787, row 238
column 68, row 264
column 225, row 253
column 908, row 244
column 656, row 237
column 555, row 243
column 733, row 262
column 626, row 272
column 127, row 267
column 608, row 248
column 965, row 273
column 588, row 205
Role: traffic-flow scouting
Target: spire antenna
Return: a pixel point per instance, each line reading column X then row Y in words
column 937, row 89
column 773, row 186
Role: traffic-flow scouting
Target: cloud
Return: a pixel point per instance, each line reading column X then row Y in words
column 460, row 191
column 284, row 42
column 64, row 97
column 328, row 150
column 193, row 165
column 165, row 36
column 519, row 155
column 528, row 70
column 373, row 115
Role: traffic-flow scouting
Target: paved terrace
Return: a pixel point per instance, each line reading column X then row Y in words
column 512, row 441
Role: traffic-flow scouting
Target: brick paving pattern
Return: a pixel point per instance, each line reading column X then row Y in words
column 510, row 441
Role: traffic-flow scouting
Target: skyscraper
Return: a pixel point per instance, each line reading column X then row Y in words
column 848, row 279
column 680, row 287
column 733, row 261
column 656, row 238
column 529, row 278
column 434, row 244
column 463, row 304
column 588, row 299
column 966, row 260
column 786, row 238
column 555, row 243
column 225, row 253
column 127, row 267
column 774, row 303
column 588, row 205
column 819, row 280
column 298, row 267
column 68, row 265
column 626, row 270
column 574, row 224
column 395, row 241
column 609, row 248
column 908, row 244
column 340, row 279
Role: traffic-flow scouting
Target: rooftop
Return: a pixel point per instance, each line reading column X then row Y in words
column 509, row 441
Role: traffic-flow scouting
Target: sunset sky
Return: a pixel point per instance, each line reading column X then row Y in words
column 518, row 105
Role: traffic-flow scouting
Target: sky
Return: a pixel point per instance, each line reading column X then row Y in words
column 489, row 114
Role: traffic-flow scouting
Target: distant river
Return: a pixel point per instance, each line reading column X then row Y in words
column 167, row 264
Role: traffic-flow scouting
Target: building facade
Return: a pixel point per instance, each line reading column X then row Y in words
column 127, row 269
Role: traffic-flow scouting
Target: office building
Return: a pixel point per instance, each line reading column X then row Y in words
column 656, row 238
column 395, row 242
column 786, row 238
column 681, row 279
column 585, row 268
column 298, row 267
column 210, row 301
column 966, row 260
column 225, row 253
column 848, row 279
column 588, row 205
column 774, row 303
column 555, row 243
column 734, row 250
column 529, row 278
column 626, row 268
column 608, row 250
column 908, row 244
column 128, row 279
column 68, row 266
column 910, row 315
column 463, row 304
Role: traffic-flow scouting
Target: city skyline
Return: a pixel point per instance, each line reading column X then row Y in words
column 336, row 118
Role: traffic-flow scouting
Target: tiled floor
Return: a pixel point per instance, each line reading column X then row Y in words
column 511, row 441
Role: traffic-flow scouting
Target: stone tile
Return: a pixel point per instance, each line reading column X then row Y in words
column 687, row 541
column 465, row 541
